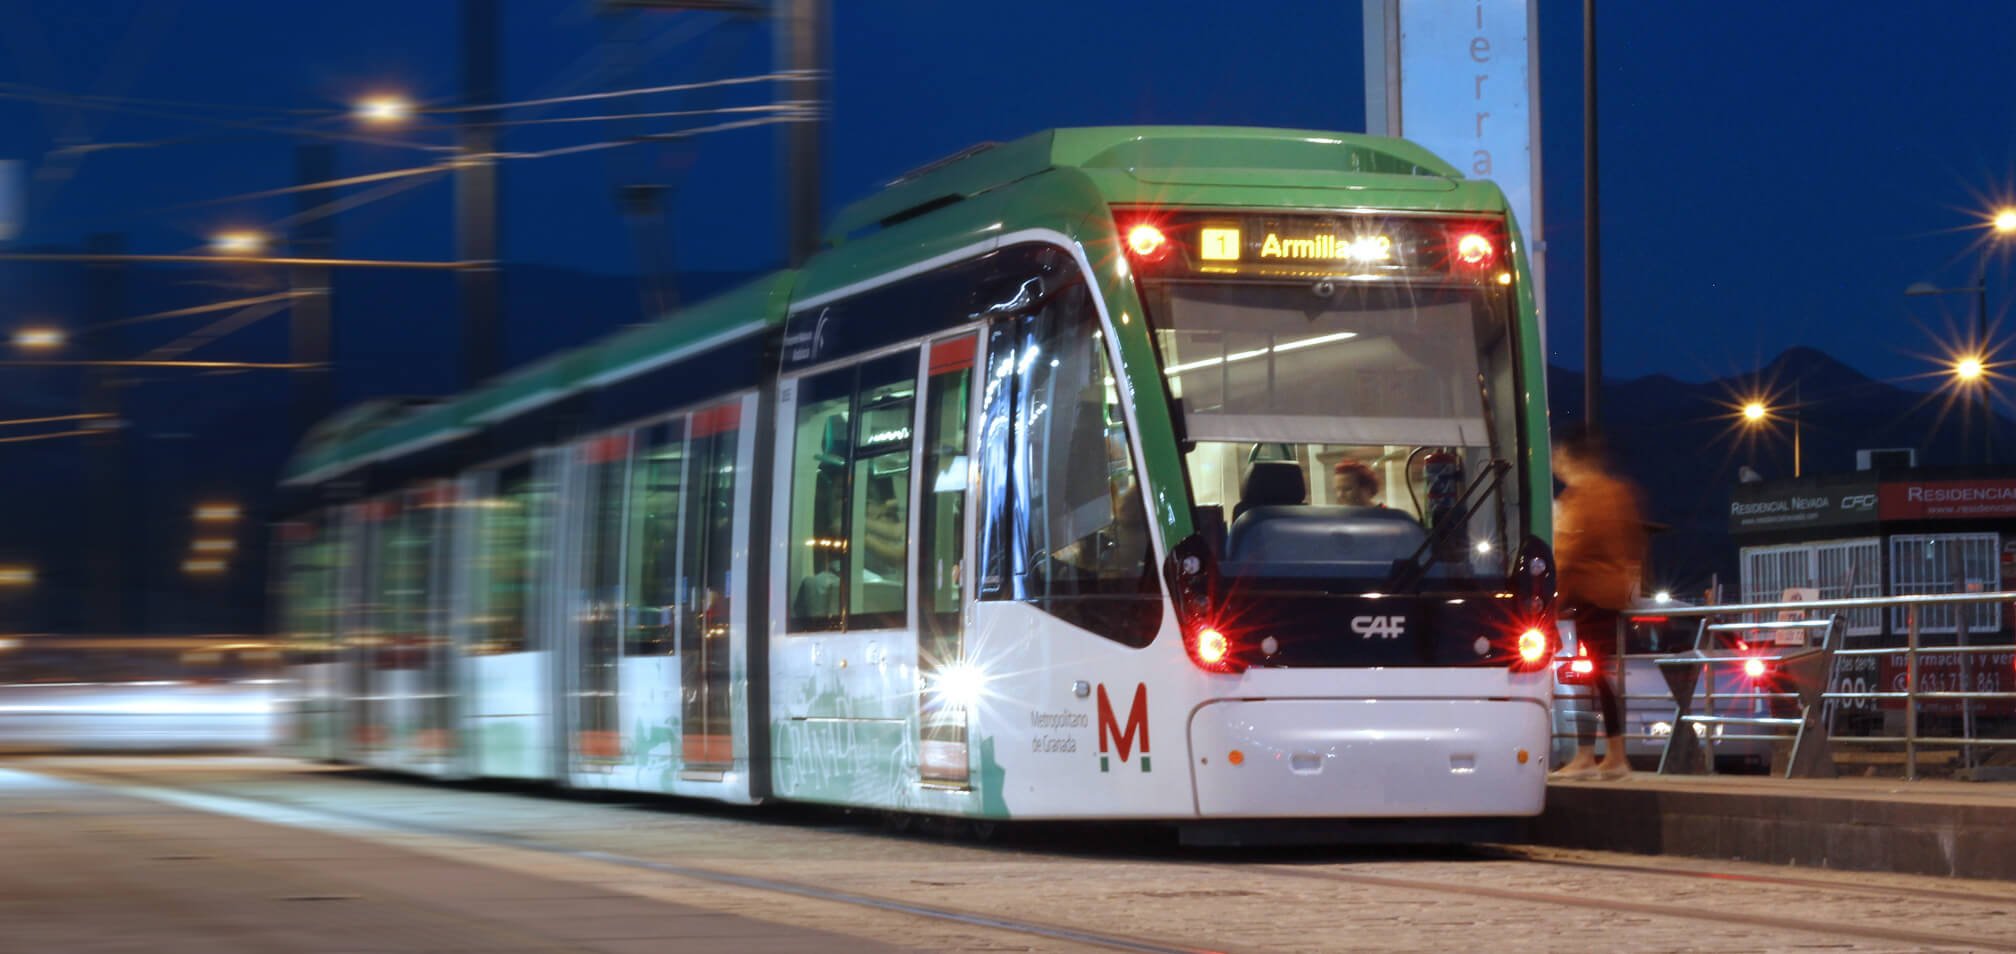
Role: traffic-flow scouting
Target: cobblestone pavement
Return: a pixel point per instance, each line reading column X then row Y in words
column 767, row 873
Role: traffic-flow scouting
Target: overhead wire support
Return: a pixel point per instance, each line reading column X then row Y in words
column 25, row 438
column 635, row 91
column 225, row 260
column 210, row 365
column 53, row 420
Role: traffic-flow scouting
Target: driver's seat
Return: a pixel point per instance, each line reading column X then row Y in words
column 1271, row 483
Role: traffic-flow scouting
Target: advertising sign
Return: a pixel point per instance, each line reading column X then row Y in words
column 1460, row 78
column 1948, row 499
column 1937, row 672
column 1756, row 508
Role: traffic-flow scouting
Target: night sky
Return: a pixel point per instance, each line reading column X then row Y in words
column 1774, row 173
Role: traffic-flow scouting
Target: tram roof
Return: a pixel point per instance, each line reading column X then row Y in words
column 1126, row 164
column 1156, row 155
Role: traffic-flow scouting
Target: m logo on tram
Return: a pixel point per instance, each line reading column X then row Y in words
column 1111, row 733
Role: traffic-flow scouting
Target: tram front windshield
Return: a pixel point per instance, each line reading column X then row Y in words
column 1337, row 427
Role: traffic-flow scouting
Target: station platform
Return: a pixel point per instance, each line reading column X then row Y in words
column 1935, row 827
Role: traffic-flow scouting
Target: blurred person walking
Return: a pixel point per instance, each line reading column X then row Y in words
column 1599, row 548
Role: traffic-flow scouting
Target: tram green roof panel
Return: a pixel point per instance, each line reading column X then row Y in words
column 1218, row 155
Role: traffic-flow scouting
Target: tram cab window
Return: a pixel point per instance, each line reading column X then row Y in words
column 1334, row 431
column 1064, row 524
column 850, row 497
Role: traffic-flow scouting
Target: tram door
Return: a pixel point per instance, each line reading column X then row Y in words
column 945, row 678
column 706, row 728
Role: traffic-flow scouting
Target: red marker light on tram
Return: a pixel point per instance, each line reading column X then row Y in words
column 1147, row 242
column 1475, row 250
column 1212, row 647
column 1532, row 646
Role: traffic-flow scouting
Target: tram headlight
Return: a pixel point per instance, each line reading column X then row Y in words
column 959, row 685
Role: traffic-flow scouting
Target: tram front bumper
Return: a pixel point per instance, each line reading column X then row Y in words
column 1369, row 758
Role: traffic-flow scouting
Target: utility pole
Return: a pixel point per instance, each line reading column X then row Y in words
column 313, row 237
column 1592, row 310
column 476, row 225
column 801, row 47
column 105, row 302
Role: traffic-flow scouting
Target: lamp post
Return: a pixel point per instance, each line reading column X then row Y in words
column 1756, row 412
column 1970, row 367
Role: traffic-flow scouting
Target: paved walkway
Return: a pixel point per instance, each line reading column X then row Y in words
column 84, row 869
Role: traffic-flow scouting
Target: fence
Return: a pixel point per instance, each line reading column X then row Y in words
column 1957, row 680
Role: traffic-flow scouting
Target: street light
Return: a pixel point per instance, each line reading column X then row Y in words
column 240, row 242
column 38, row 339
column 391, row 109
column 1756, row 411
column 1971, row 366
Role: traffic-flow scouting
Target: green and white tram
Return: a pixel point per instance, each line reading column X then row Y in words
column 1016, row 501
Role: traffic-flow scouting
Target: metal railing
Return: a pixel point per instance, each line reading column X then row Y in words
column 1837, row 699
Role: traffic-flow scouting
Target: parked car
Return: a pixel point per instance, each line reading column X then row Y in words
column 1648, row 700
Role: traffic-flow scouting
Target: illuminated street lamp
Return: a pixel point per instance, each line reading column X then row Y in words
column 1971, row 366
column 1755, row 412
column 387, row 110
column 1969, row 369
column 17, row 575
column 38, row 339
column 239, row 242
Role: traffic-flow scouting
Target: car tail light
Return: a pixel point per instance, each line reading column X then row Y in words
column 1756, row 668
column 1579, row 669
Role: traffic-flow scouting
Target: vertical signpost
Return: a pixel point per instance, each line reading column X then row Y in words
column 11, row 200
column 1461, row 77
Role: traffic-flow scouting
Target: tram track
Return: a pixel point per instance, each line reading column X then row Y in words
column 222, row 801
column 1244, row 869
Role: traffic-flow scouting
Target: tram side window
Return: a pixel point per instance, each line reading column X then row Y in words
column 710, row 528
column 512, row 558
column 310, row 610
column 655, row 499
column 1065, row 523
column 850, row 496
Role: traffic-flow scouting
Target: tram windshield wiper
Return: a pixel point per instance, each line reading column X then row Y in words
column 1409, row 573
